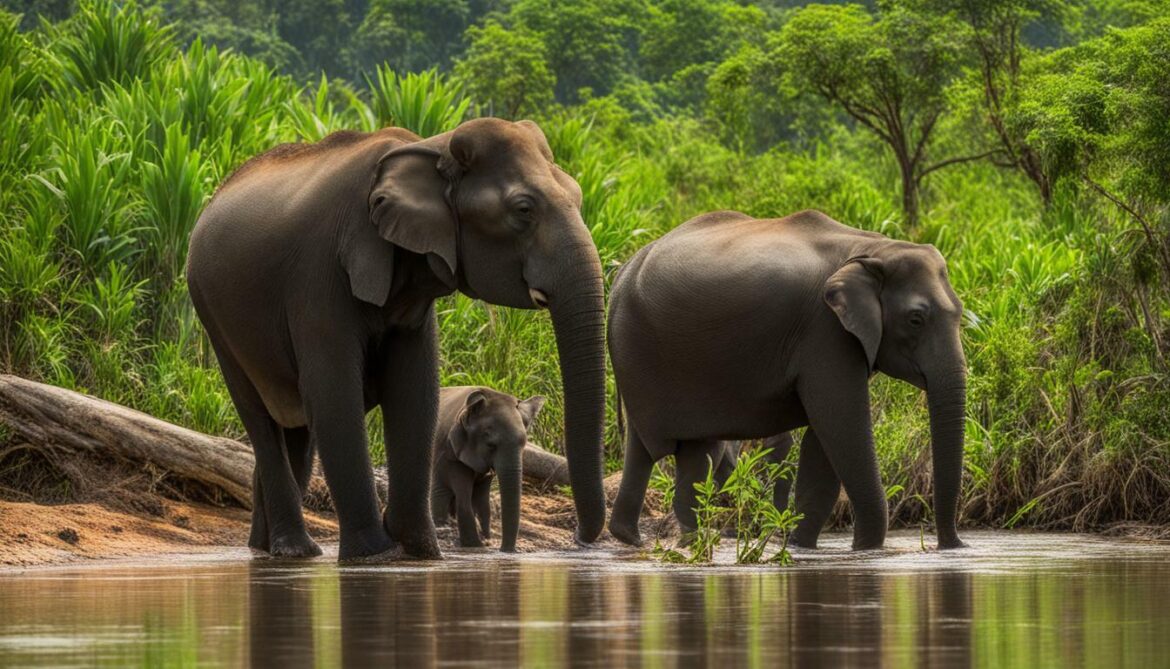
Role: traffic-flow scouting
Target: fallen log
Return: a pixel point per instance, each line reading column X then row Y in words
column 544, row 468
column 46, row 415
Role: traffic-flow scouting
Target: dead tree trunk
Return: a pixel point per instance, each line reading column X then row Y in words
column 46, row 415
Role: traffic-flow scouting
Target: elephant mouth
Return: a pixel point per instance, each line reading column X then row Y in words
column 538, row 298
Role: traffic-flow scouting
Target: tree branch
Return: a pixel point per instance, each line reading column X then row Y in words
column 1146, row 227
column 959, row 159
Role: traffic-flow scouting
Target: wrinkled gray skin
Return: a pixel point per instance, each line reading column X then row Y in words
column 480, row 432
column 731, row 327
column 314, row 270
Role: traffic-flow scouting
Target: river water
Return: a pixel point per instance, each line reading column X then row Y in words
column 1012, row 599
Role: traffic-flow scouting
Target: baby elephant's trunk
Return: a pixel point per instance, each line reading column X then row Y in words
column 507, row 466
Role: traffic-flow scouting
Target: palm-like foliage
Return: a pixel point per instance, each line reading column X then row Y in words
column 426, row 103
column 107, row 42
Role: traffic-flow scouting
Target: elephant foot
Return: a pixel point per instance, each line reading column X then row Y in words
column 392, row 555
column 419, row 542
column 294, row 546
column 258, row 542
column 803, row 537
column 625, row 533
column 868, row 544
column 950, row 543
column 361, row 544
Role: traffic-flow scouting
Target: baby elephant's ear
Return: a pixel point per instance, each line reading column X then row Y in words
column 529, row 408
column 472, row 405
column 854, row 294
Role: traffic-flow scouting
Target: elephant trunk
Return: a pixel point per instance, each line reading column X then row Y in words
column 507, row 466
column 578, row 315
column 947, row 400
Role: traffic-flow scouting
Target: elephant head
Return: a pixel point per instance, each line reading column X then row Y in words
column 497, row 219
column 897, row 300
column 490, row 434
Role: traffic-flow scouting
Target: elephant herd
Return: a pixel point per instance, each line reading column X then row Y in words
column 315, row 268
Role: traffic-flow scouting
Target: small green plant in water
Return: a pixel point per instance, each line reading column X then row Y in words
column 745, row 501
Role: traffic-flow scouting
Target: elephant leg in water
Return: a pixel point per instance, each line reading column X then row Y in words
column 299, row 449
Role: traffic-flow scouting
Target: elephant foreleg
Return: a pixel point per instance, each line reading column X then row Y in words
column 441, row 500
column 482, row 499
column 410, row 404
column 463, row 488
column 837, row 403
column 331, row 385
column 817, row 489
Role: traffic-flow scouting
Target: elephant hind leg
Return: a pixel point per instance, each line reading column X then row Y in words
column 817, row 489
column 692, row 462
column 258, row 538
column 299, row 447
column 780, row 444
column 627, row 508
column 278, row 526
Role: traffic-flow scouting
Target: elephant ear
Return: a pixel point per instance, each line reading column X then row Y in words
column 854, row 294
column 409, row 207
column 529, row 408
column 459, row 439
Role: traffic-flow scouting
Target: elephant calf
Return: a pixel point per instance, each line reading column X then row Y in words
column 731, row 327
column 480, row 431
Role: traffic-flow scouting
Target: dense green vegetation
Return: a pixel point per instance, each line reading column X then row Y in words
column 1026, row 139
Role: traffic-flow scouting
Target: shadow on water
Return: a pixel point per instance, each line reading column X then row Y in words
column 1029, row 611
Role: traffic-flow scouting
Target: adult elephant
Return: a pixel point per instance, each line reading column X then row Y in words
column 731, row 327
column 314, row 270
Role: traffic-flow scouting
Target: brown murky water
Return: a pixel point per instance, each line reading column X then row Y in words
column 1012, row 600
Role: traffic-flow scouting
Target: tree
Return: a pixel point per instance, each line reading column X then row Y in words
column 995, row 37
column 888, row 72
column 1096, row 115
column 431, row 31
column 507, row 69
column 589, row 44
column 688, row 32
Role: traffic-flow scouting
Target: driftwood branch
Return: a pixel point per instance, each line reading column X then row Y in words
column 52, row 417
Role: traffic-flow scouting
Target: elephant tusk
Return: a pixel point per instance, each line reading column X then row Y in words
column 538, row 298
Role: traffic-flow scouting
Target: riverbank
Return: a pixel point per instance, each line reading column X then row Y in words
column 35, row 534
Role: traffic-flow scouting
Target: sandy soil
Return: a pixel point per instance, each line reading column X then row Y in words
column 35, row 534
column 50, row 534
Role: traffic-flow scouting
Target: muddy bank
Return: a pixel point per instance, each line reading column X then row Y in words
column 35, row 534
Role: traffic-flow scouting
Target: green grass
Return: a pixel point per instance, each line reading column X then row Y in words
column 113, row 137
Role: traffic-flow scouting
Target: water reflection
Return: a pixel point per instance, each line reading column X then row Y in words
column 541, row 613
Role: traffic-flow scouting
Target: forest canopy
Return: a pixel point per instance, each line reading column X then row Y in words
column 1026, row 139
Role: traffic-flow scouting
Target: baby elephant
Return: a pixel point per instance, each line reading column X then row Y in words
column 480, row 431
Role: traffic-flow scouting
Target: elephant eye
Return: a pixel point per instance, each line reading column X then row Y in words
column 916, row 319
column 523, row 205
